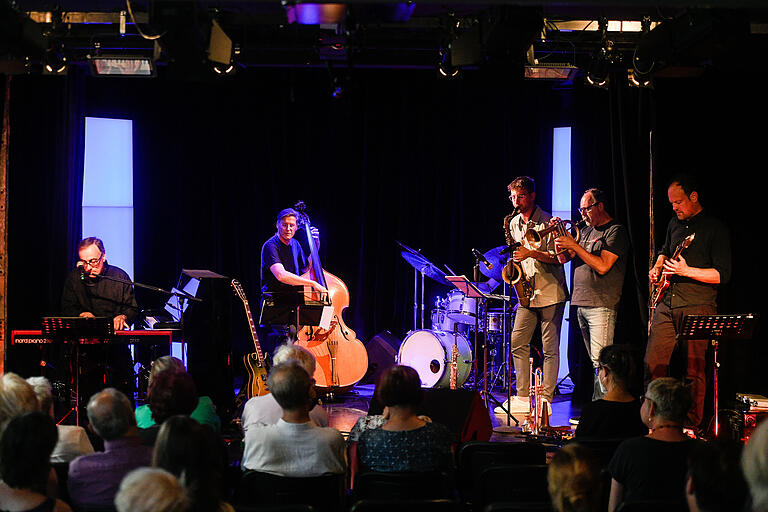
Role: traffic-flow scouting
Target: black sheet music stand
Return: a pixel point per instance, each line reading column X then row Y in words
column 291, row 309
column 469, row 289
column 716, row 328
column 73, row 330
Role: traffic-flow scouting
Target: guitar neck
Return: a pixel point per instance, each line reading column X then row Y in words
column 254, row 335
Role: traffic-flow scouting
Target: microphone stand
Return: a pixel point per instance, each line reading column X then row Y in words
column 180, row 294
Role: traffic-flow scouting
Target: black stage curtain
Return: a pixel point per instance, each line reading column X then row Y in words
column 402, row 156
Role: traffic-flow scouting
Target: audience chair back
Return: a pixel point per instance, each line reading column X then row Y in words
column 514, row 483
column 603, row 449
column 323, row 493
column 505, row 506
column 441, row 505
column 653, row 506
column 275, row 508
column 475, row 456
column 428, row 485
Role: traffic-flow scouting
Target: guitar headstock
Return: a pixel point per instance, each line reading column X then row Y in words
column 239, row 290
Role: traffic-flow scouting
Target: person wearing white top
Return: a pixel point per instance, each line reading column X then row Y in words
column 294, row 446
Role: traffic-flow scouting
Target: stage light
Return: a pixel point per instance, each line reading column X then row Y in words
column 223, row 69
column 642, row 67
column 54, row 62
column 599, row 67
column 122, row 65
column 636, row 79
column 444, row 67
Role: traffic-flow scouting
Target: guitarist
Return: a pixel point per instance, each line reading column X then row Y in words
column 694, row 278
column 283, row 260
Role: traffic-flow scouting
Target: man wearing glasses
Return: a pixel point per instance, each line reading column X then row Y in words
column 87, row 294
column 547, row 305
column 598, row 276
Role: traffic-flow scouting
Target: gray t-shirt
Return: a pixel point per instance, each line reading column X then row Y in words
column 589, row 287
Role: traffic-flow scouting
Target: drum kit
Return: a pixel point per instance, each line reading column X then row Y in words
column 456, row 319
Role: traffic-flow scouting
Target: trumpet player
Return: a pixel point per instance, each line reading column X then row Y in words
column 598, row 277
column 547, row 302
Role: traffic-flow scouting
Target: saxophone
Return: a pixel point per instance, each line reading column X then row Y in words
column 512, row 273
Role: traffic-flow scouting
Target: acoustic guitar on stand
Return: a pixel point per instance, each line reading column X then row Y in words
column 663, row 283
column 254, row 362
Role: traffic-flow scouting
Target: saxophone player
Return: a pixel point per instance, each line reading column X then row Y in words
column 547, row 301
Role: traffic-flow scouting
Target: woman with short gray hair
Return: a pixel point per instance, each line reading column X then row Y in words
column 654, row 467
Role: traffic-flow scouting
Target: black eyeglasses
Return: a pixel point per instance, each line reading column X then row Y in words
column 644, row 398
column 600, row 367
column 587, row 208
column 93, row 261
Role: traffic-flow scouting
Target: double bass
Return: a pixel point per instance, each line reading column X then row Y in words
column 341, row 358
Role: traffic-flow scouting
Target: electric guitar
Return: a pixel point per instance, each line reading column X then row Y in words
column 254, row 362
column 663, row 283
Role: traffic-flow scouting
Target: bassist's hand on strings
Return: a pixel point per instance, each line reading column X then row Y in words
column 315, row 236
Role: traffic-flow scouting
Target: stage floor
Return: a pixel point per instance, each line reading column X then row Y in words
column 345, row 410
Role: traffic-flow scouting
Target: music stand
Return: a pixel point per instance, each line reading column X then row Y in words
column 72, row 330
column 469, row 289
column 295, row 309
column 716, row 328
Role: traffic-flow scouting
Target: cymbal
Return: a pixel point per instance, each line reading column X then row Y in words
column 423, row 265
column 497, row 260
column 412, row 251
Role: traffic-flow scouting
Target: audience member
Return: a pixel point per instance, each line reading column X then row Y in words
column 617, row 414
column 715, row 482
column 754, row 462
column 405, row 442
column 16, row 398
column 25, row 452
column 654, row 467
column 192, row 452
column 205, row 411
column 172, row 393
column 264, row 410
column 94, row 478
column 151, row 490
column 574, row 480
column 294, row 446
column 73, row 440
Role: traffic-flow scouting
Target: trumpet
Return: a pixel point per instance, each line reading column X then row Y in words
column 559, row 228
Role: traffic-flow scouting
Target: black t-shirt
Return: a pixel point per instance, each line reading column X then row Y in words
column 99, row 296
column 650, row 469
column 711, row 248
column 603, row 419
column 291, row 256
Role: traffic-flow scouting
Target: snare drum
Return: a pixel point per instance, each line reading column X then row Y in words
column 429, row 353
column 461, row 309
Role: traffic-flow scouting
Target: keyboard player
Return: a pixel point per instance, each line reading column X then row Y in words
column 87, row 294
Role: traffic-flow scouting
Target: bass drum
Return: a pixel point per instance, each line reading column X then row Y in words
column 429, row 353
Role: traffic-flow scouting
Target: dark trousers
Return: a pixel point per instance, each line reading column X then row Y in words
column 662, row 341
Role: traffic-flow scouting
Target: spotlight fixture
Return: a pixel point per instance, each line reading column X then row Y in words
column 636, row 79
column 642, row 67
column 54, row 62
column 599, row 67
column 444, row 67
column 122, row 65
